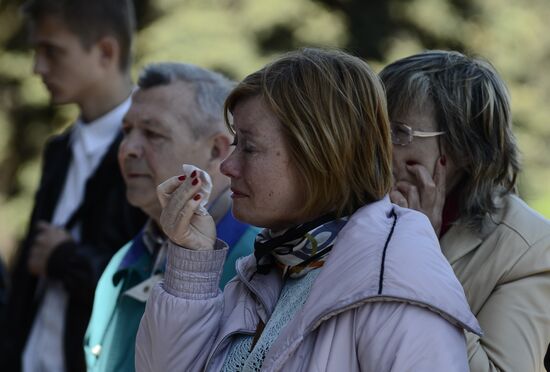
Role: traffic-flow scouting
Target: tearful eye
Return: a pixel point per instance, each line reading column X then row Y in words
column 243, row 146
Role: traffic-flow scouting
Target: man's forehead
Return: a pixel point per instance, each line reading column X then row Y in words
column 171, row 98
column 160, row 112
column 174, row 94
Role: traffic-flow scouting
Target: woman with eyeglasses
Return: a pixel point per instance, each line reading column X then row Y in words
column 455, row 159
column 341, row 279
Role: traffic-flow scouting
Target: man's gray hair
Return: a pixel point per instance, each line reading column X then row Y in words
column 211, row 89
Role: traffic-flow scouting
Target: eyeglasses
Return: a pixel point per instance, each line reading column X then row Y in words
column 402, row 134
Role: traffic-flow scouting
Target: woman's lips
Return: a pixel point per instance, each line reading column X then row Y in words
column 237, row 194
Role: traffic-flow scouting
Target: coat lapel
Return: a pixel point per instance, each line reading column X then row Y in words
column 54, row 174
column 458, row 242
column 99, row 181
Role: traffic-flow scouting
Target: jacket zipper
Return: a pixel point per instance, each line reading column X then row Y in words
column 243, row 331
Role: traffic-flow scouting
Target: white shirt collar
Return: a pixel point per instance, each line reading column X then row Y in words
column 100, row 133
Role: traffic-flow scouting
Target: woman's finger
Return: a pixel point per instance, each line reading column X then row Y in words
column 440, row 174
column 180, row 196
column 175, row 222
column 165, row 189
column 427, row 188
column 410, row 191
column 398, row 198
column 424, row 181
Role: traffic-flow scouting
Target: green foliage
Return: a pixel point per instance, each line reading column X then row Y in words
column 237, row 37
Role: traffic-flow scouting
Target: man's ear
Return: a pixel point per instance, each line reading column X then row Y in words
column 219, row 150
column 221, row 146
column 109, row 51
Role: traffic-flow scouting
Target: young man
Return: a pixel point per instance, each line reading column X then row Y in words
column 175, row 118
column 80, row 216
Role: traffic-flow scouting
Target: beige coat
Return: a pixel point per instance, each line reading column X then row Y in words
column 505, row 272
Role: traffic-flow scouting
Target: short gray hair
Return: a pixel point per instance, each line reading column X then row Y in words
column 211, row 89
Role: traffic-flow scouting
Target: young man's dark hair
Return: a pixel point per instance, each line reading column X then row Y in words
column 80, row 215
column 91, row 20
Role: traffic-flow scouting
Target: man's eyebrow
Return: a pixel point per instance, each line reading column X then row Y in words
column 154, row 123
column 146, row 121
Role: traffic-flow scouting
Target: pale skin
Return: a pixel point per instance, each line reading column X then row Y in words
column 179, row 199
column 158, row 139
column 424, row 173
column 426, row 194
column 267, row 199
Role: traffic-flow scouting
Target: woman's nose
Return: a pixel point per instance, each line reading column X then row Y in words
column 228, row 167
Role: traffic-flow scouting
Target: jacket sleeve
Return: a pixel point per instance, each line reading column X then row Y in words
column 516, row 317
column 182, row 316
column 396, row 336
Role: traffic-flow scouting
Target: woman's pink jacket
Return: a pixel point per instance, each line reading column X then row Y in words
column 385, row 300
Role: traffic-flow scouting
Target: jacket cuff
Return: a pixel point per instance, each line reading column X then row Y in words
column 194, row 274
column 60, row 259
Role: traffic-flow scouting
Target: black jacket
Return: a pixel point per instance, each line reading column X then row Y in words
column 107, row 222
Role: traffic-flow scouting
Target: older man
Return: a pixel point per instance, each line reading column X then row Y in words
column 175, row 118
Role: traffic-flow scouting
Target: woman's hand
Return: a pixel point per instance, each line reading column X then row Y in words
column 179, row 199
column 427, row 195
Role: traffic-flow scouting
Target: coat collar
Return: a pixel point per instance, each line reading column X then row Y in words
column 458, row 242
column 461, row 239
column 356, row 263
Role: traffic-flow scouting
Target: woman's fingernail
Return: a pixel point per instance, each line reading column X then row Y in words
column 197, row 197
column 443, row 160
column 195, row 181
column 181, row 178
column 194, row 174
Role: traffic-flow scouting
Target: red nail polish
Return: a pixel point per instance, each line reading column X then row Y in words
column 194, row 174
column 197, row 197
column 443, row 160
column 195, row 181
column 181, row 178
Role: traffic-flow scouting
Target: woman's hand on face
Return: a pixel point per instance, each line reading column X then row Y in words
column 427, row 195
column 179, row 199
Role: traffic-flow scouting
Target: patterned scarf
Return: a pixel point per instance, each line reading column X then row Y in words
column 299, row 249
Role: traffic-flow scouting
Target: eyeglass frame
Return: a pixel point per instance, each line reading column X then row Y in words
column 412, row 133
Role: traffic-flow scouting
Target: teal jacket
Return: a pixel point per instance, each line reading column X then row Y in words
column 109, row 344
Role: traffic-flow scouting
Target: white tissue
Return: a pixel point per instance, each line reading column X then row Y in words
column 206, row 186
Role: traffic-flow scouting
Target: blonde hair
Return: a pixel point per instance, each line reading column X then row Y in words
column 332, row 110
column 472, row 105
